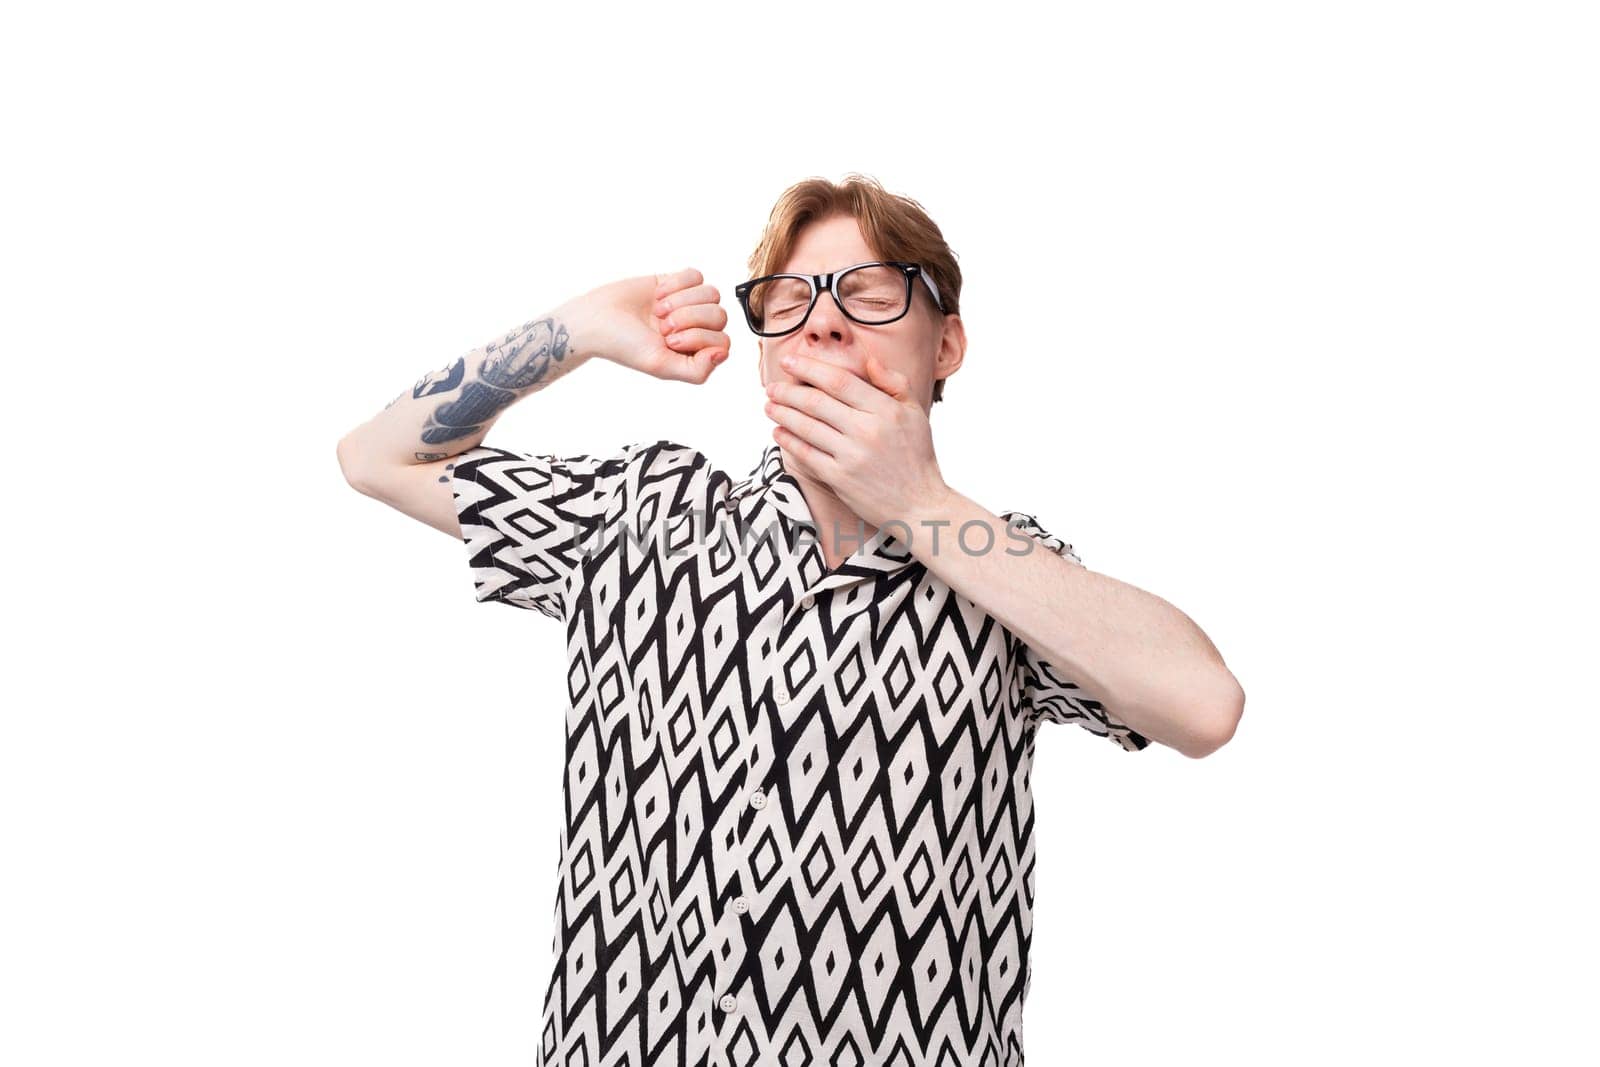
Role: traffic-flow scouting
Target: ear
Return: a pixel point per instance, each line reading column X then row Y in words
column 952, row 348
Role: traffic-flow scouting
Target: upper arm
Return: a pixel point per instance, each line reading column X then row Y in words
column 421, row 490
column 1048, row 695
column 527, row 520
column 524, row 518
column 530, row 520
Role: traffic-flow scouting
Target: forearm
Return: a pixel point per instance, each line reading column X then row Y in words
column 450, row 410
column 1147, row 662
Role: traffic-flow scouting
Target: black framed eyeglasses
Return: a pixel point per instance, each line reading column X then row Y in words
column 873, row 294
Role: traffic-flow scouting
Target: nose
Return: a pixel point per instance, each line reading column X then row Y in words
column 827, row 319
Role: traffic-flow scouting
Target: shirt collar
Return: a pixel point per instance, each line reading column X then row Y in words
column 769, row 481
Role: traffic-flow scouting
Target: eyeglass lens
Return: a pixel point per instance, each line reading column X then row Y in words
column 872, row 295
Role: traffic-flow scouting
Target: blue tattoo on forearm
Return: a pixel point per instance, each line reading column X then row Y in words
column 520, row 361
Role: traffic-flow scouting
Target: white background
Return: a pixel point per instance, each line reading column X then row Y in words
column 1278, row 311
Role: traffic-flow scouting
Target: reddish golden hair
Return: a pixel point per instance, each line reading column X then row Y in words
column 895, row 227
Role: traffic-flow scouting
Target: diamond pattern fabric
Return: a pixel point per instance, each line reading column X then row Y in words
column 798, row 819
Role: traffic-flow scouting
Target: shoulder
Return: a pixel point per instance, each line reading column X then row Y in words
column 664, row 453
column 658, row 461
column 667, row 471
column 1023, row 524
column 634, row 458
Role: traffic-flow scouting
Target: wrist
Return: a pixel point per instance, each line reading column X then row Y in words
column 936, row 505
column 586, row 338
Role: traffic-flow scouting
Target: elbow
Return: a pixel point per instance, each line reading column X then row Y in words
column 1217, row 723
column 348, row 465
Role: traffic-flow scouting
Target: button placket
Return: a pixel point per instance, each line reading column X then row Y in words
column 729, row 969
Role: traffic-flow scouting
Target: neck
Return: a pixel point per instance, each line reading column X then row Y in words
column 840, row 532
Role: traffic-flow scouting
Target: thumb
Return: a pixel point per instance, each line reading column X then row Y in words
column 890, row 381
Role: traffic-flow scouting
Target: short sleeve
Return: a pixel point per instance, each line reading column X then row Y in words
column 1048, row 695
column 528, row 520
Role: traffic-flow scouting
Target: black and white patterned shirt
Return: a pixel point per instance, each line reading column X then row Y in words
column 799, row 824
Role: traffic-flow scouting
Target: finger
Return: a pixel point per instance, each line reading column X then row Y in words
column 711, row 316
column 818, row 434
column 816, row 403
column 687, row 367
column 666, row 283
column 695, row 294
column 890, row 381
column 696, row 340
column 807, row 456
column 698, row 367
column 835, row 381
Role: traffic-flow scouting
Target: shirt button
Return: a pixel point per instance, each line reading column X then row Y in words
column 740, row 905
column 758, row 800
column 727, row 1003
column 806, row 601
column 780, row 695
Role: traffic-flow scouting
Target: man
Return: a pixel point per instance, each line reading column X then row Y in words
column 799, row 822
